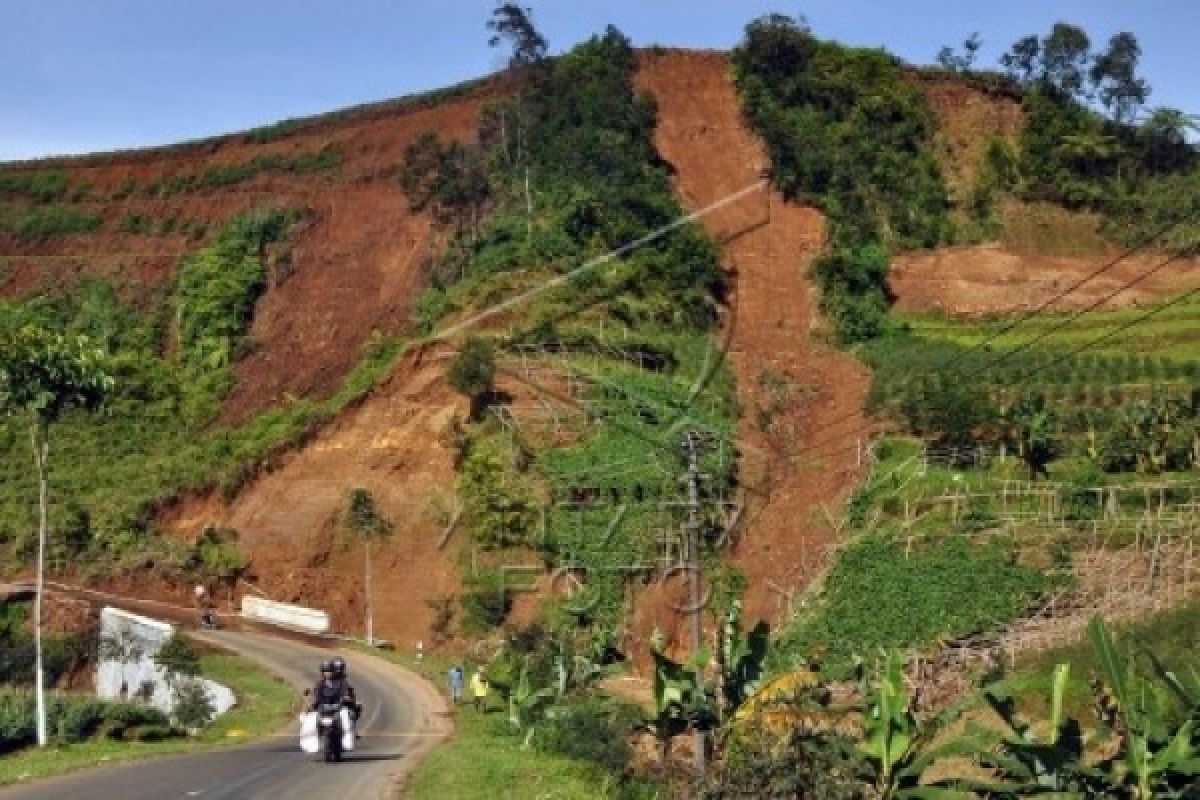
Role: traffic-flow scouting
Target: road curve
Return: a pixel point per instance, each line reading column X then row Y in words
column 403, row 718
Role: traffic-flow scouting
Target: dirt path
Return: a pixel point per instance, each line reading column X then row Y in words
column 789, row 384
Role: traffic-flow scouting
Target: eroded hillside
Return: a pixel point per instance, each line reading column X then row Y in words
column 353, row 269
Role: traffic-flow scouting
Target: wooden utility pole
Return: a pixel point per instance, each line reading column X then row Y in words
column 693, row 443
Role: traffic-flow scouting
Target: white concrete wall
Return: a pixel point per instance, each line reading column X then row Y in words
column 310, row 620
column 139, row 639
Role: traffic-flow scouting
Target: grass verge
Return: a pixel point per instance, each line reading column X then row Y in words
column 482, row 759
column 264, row 704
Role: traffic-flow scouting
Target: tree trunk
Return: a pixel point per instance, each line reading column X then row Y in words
column 370, row 608
column 41, row 450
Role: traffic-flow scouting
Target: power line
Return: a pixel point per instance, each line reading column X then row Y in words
column 944, row 367
column 1113, row 333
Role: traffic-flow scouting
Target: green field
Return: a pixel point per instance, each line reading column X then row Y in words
column 1172, row 334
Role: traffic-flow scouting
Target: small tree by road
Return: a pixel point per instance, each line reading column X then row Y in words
column 364, row 519
column 42, row 375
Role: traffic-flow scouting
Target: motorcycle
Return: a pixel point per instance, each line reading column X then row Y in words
column 329, row 731
column 329, row 723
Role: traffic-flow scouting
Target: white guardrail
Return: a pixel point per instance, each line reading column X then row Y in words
column 309, row 620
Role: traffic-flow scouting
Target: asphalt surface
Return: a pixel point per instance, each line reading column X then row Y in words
column 402, row 719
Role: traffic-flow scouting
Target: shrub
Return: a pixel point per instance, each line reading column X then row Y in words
column 821, row 766
column 485, row 604
column 498, row 502
column 193, row 707
column 591, row 730
column 473, row 370
column 44, row 185
column 45, row 222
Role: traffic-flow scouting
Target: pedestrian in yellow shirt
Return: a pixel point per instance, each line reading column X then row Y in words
column 479, row 689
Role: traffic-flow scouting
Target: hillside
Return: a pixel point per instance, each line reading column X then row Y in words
column 354, row 269
column 328, row 391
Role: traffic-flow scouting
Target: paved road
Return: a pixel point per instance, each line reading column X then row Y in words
column 402, row 719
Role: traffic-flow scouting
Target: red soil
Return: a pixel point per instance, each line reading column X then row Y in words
column 968, row 119
column 354, row 270
column 289, row 520
column 990, row 279
column 771, row 325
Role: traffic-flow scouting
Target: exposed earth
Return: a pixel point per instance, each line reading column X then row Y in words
column 357, row 265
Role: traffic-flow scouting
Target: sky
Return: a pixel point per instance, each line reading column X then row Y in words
column 85, row 75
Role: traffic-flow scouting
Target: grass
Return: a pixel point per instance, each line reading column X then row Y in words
column 265, row 703
column 483, row 760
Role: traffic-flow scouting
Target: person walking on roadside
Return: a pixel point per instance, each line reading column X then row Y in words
column 479, row 689
column 456, row 683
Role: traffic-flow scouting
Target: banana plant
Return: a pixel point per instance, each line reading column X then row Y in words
column 680, row 699
column 1028, row 765
column 1158, row 756
column 900, row 749
column 525, row 703
column 740, row 659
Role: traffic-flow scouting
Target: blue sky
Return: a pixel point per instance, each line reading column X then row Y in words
column 86, row 75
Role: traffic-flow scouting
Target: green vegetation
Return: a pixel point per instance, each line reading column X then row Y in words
column 882, row 594
column 1070, row 153
column 327, row 159
column 1125, row 412
column 567, row 172
column 848, row 132
column 43, row 222
column 1173, row 637
column 43, row 186
column 485, row 760
column 215, row 297
column 76, row 718
column 155, row 438
column 473, row 372
column 62, row 653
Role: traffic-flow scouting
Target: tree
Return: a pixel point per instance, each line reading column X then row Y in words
column 1021, row 61
column 514, row 24
column 178, row 657
column 776, row 47
column 1065, row 55
column 1057, row 61
column 450, row 180
column 363, row 518
column 1165, row 133
column 1033, row 429
column 951, row 60
column 42, row 375
column 1114, row 77
column 473, row 371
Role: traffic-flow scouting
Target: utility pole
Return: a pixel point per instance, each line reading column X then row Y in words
column 693, row 443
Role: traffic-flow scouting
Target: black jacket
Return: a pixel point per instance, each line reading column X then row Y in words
column 334, row 692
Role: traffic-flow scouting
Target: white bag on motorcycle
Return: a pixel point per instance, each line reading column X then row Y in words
column 310, row 740
column 347, row 730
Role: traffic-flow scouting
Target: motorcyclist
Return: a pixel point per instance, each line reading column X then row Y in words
column 334, row 688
